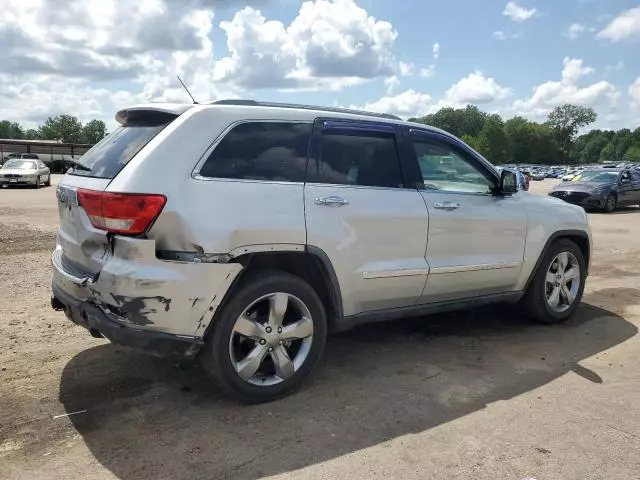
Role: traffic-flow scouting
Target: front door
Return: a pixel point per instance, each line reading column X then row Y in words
column 476, row 239
column 360, row 214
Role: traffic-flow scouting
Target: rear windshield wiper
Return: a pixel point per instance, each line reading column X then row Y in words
column 77, row 165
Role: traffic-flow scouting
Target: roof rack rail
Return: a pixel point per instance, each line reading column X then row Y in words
column 253, row 103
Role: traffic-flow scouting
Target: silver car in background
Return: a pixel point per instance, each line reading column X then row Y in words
column 25, row 172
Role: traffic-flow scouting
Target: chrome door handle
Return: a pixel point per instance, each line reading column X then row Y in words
column 332, row 201
column 446, row 205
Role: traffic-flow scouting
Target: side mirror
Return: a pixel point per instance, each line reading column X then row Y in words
column 508, row 182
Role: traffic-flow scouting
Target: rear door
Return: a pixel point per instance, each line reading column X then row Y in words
column 476, row 239
column 635, row 186
column 363, row 215
column 81, row 246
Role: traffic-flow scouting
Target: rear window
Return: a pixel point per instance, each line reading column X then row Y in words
column 270, row 151
column 107, row 157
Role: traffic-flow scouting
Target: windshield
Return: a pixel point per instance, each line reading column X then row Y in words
column 113, row 152
column 25, row 164
column 597, row 176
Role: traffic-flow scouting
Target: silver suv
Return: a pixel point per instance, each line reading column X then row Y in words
column 241, row 233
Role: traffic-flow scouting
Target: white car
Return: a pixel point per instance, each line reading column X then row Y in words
column 241, row 233
column 18, row 171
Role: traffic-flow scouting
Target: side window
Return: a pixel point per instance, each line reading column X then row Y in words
column 444, row 168
column 261, row 151
column 359, row 158
column 635, row 176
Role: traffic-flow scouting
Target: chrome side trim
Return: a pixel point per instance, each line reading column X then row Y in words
column 475, row 268
column 395, row 273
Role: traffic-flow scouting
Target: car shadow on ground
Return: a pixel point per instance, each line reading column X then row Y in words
column 147, row 419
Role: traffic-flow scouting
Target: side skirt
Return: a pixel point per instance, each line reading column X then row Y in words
column 427, row 309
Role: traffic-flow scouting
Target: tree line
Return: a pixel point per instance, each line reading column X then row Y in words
column 63, row 128
column 554, row 142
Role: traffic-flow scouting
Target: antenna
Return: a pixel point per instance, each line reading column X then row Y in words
column 186, row 89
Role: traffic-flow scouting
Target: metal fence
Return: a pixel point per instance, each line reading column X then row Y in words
column 57, row 156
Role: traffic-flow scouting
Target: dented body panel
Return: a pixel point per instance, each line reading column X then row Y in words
column 145, row 293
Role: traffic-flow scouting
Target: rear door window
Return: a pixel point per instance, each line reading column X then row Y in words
column 107, row 157
column 268, row 151
column 358, row 156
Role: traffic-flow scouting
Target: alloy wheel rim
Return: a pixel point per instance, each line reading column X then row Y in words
column 562, row 282
column 271, row 339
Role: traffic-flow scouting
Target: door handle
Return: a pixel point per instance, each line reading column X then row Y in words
column 332, row 201
column 446, row 205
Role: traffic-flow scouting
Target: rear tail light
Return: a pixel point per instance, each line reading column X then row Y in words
column 124, row 213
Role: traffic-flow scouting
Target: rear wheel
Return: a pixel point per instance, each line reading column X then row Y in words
column 557, row 286
column 267, row 339
column 48, row 182
column 610, row 204
column 38, row 181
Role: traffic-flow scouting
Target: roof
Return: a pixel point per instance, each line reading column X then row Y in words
column 302, row 112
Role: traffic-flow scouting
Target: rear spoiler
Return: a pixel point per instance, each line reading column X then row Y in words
column 151, row 111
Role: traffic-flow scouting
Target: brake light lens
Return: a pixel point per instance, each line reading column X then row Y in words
column 123, row 213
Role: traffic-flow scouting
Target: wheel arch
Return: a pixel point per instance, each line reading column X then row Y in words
column 579, row 237
column 309, row 263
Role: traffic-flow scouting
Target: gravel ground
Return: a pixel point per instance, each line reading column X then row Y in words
column 478, row 395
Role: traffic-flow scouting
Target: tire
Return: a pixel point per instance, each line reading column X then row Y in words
column 610, row 204
column 535, row 301
column 37, row 185
column 48, row 182
column 223, row 342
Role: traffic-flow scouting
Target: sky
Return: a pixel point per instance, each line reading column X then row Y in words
column 91, row 58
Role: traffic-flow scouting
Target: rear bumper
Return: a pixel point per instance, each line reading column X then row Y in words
column 136, row 295
column 99, row 323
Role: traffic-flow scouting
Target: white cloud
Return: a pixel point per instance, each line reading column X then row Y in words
column 634, row 93
column 500, row 35
column 617, row 67
column 436, row 50
column 476, row 88
column 143, row 44
column 406, row 69
column 328, row 41
column 406, row 104
column 428, row 72
column 574, row 30
column 392, row 83
column 518, row 14
column 625, row 26
column 552, row 93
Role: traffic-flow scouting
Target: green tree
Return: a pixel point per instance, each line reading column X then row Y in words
column 567, row 119
column 94, row 131
column 64, row 128
column 31, row 134
column 11, row 130
column 632, row 154
column 493, row 142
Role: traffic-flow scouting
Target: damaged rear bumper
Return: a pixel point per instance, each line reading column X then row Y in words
column 99, row 323
column 141, row 301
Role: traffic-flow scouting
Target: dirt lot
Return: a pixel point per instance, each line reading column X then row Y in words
column 480, row 395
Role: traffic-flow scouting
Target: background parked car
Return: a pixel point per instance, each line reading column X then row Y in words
column 18, row 171
column 601, row 188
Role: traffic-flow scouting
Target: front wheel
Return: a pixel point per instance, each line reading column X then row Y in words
column 267, row 338
column 557, row 286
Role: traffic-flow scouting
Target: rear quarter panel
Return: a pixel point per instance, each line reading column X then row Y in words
column 210, row 215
